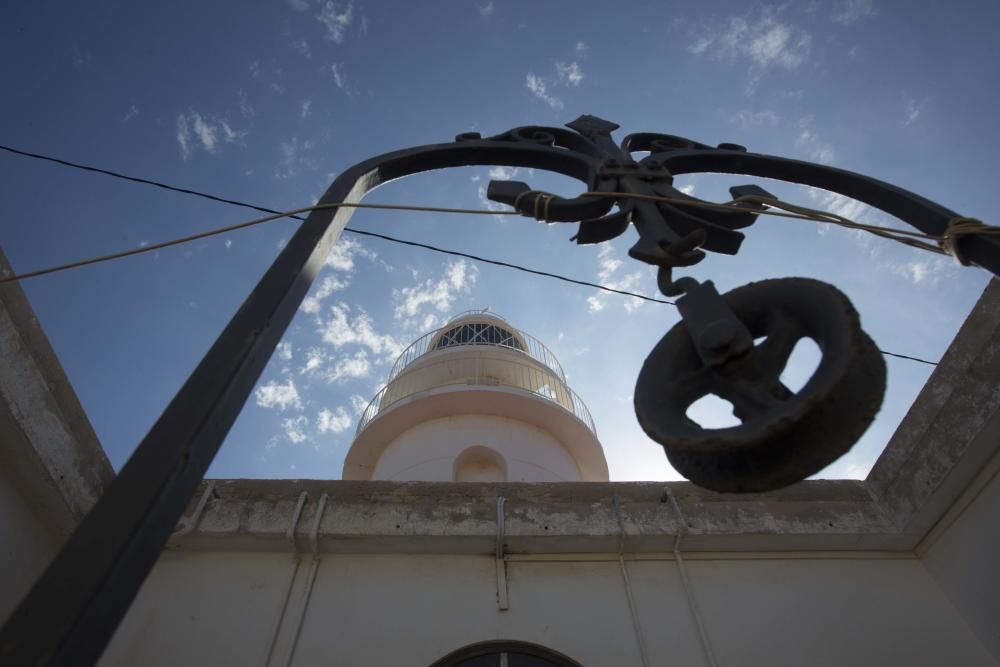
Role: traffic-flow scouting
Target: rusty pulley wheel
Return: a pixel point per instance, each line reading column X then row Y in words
column 784, row 436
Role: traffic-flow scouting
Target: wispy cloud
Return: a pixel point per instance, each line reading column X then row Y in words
column 295, row 428
column 339, row 75
column 278, row 395
column 538, row 88
column 581, row 48
column 912, row 109
column 763, row 42
column 344, row 251
column 132, row 112
column 847, row 12
column 336, row 18
column 245, row 107
column 271, row 79
column 301, row 46
column 330, row 284
column 815, row 149
column 747, row 118
column 305, row 109
column 333, row 422
column 487, row 9
column 607, row 275
column 348, row 367
column 459, row 278
column 299, row 5
column 294, row 156
column 284, row 351
column 570, row 74
column 195, row 132
column 338, row 328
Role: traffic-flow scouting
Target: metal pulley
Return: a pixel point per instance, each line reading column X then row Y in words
column 736, row 346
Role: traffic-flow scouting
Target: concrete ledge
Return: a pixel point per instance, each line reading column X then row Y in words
column 552, row 518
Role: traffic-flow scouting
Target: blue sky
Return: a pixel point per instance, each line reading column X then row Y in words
column 267, row 102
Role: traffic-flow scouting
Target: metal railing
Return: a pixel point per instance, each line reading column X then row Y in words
column 478, row 372
column 533, row 348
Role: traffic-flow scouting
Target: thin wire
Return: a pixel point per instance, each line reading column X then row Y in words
column 295, row 214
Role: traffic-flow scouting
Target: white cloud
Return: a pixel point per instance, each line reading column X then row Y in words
column 315, row 359
column 765, row 43
column 330, row 284
column 927, row 270
column 699, row 45
column 913, row 109
column 245, row 107
column 847, row 12
column 335, row 18
column 608, row 267
column 487, row 9
column 746, row 118
column 305, row 107
column 358, row 404
column 570, row 74
column 501, row 173
column 294, row 156
column 194, row 132
column 229, row 243
column 284, row 351
column 333, row 422
column 272, row 81
column 343, row 252
column 815, row 149
column 581, row 48
column 538, row 88
column 281, row 396
column 339, row 329
column 301, row 46
column 348, row 367
column 133, row 111
column 295, row 428
column 459, row 277
column 687, row 189
column 299, row 5
column 339, row 75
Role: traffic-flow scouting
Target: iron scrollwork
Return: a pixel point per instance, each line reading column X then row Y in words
column 784, row 436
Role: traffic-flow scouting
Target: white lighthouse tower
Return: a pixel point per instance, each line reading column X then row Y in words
column 476, row 400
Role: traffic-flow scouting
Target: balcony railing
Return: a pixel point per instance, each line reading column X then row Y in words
column 478, row 372
column 532, row 348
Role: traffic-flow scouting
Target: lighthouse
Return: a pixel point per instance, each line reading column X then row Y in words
column 476, row 400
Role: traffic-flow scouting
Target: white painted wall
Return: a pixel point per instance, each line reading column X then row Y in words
column 221, row 609
column 965, row 561
column 427, row 451
column 28, row 540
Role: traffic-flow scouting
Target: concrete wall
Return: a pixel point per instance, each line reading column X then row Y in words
column 964, row 559
column 427, row 452
column 224, row 609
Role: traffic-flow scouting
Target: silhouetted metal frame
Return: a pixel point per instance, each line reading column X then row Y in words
column 71, row 613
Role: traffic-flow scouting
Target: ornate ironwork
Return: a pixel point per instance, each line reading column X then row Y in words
column 72, row 611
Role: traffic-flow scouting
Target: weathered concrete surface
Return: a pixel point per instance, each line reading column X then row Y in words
column 952, row 429
column 431, row 517
column 52, row 468
column 44, row 428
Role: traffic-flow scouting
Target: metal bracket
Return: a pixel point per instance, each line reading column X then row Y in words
column 503, row 600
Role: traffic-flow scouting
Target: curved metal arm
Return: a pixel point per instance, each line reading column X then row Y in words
column 72, row 611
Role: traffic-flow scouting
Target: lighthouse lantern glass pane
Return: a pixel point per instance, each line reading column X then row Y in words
column 479, row 333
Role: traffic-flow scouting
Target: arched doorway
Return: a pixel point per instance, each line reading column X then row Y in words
column 505, row 653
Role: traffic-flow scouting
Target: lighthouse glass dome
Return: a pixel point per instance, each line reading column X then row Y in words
column 476, row 399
